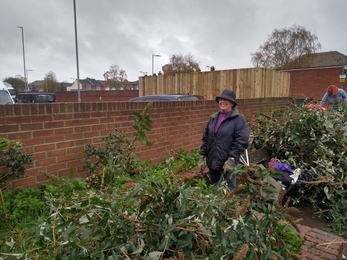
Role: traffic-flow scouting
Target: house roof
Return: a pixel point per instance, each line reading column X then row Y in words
column 327, row 59
column 91, row 82
column 39, row 83
column 36, row 83
column 66, row 84
column 321, row 59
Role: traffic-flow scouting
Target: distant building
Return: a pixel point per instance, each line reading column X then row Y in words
column 93, row 84
column 133, row 85
column 312, row 81
column 88, row 84
column 37, row 86
column 85, row 85
column 66, row 85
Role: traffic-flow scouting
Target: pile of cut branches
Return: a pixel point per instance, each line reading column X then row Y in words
column 316, row 141
column 158, row 218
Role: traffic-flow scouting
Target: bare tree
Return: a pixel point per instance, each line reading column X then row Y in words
column 181, row 64
column 115, row 78
column 292, row 47
column 50, row 82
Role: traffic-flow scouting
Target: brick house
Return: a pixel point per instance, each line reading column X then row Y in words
column 37, row 85
column 312, row 81
column 88, row 84
column 94, row 84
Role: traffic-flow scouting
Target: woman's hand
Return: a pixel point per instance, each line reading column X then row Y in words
column 229, row 165
column 201, row 164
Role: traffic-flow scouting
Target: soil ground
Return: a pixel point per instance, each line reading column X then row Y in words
column 308, row 217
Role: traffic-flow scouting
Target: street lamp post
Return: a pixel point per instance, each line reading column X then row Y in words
column 76, row 45
column 27, row 72
column 154, row 55
column 25, row 76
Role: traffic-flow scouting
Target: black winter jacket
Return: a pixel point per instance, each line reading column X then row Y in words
column 231, row 140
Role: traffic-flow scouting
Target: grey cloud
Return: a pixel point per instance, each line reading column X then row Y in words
column 221, row 33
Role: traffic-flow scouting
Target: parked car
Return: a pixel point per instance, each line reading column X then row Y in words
column 5, row 96
column 198, row 96
column 165, row 97
column 36, row 97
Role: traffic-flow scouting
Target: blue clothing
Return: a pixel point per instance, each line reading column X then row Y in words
column 230, row 140
column 341, row 96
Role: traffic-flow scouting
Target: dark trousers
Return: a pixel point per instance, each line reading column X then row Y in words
column 215, row 175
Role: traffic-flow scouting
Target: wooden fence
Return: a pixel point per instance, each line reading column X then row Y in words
column 247, row 83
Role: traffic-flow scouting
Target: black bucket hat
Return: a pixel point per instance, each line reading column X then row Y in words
column 228, row 95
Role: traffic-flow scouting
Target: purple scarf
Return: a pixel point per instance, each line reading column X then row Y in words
column 221, row 117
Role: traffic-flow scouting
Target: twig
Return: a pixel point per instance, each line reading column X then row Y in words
column 190, row 230
column 324, row 181
column 293, row 105
column 53, row 233
column 4, row 176
column 102, row 178
column 266, row 115
column 176, row 227
column 335, row 241
column 3, row 206
column 124, row 253
column 322, row 211
column 343, row 145
column 164, row 249
column 132, row 220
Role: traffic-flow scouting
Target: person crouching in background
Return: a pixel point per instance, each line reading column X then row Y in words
column 334, row 96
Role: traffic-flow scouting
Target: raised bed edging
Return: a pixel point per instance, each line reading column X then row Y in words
column 319, row 244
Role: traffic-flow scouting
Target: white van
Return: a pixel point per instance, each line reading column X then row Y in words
column 10, row 89
column 5, row 96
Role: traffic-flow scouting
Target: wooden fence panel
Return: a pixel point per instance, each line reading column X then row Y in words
column 247, row 83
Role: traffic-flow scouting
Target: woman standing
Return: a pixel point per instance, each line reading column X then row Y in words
column 224, row 139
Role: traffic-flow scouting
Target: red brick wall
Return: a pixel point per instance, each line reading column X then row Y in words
column 96, row 96
column 313, row 83
column 56, row 134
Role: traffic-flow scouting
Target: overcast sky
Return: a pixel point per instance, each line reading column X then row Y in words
column 219, row 33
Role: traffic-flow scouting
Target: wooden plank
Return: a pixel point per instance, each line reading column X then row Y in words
column 186, row 83
column 247, row 88
column 238, row 83
column 148, row 90
column 217, row 82
column 142, row 86
column 210, row 85
column 241, row 84
column 160, row 85
column 264, row 82
column 257, row 83
column 196, row 83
